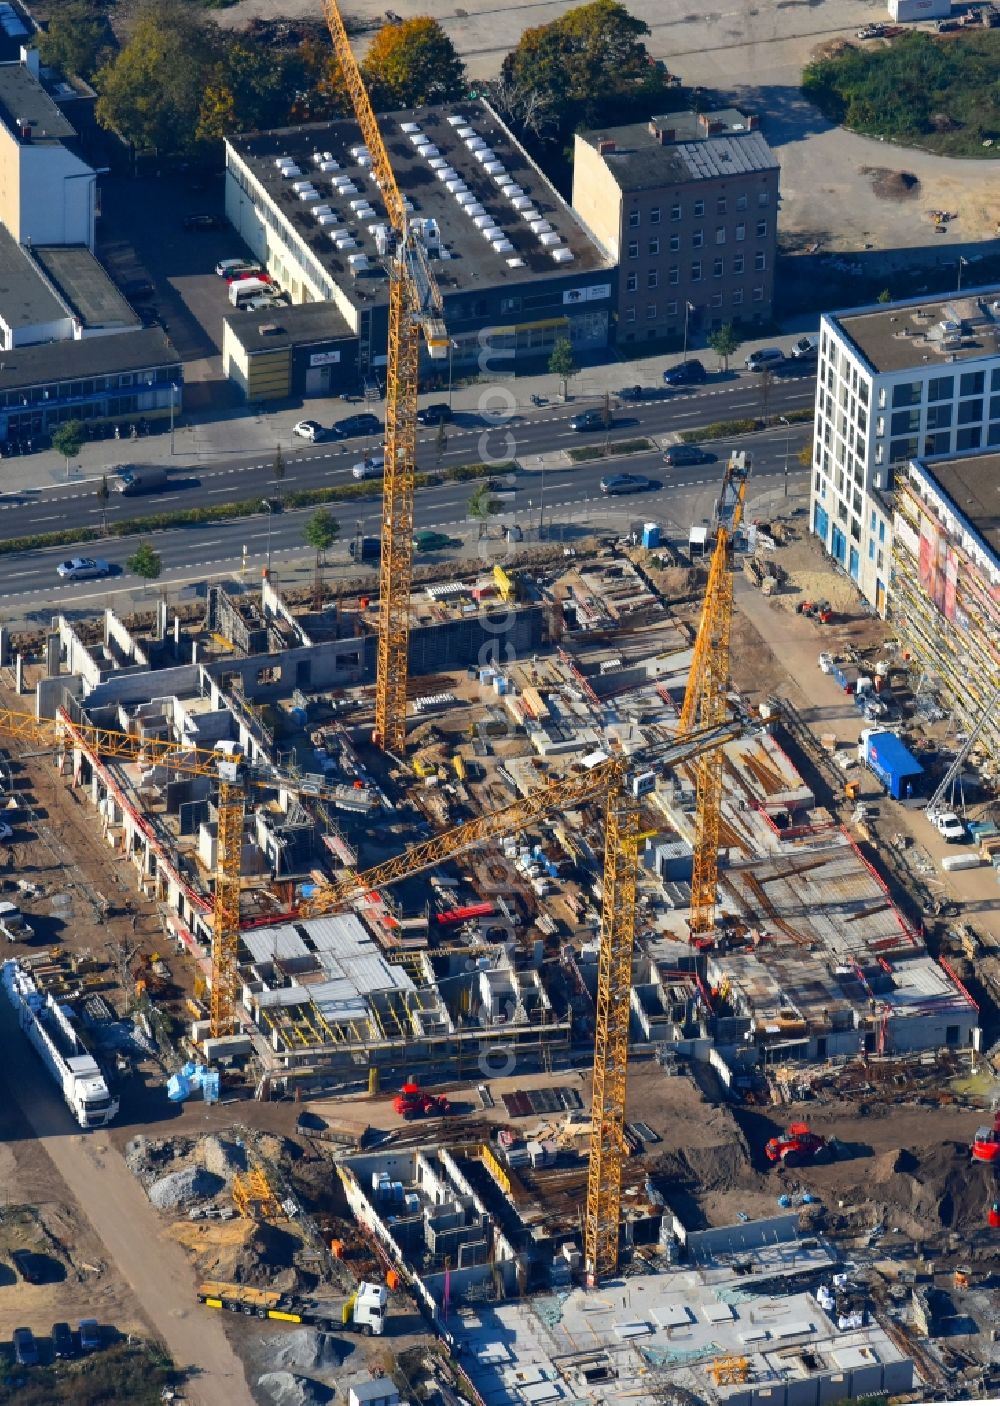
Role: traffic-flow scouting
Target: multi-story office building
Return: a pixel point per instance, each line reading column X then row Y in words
column 687, row 206
column 895, row 382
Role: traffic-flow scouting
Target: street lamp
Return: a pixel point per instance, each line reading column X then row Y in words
column 451, row 348
column 782, row 420
column 267, row 505
column 173, row 401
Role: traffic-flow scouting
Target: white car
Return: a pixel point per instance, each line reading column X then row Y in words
column 311, row 430
column 949, row 827
column 225, row 268
column 83, row 569
column 826, row 663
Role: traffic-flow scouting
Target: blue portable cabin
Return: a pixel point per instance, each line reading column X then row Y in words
column 893, row 763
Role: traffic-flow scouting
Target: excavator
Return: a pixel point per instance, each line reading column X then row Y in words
column 796, row 1146
column 414, row 1102
column 986, row 1143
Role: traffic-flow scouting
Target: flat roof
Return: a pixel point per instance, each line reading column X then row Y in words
column 146, row 348
column 973, row 485
column 925, row 332
column 23, row 99
column 296, row 326
column 683, row 147
column 16, row 29
column 469, row 262
column 25, row 299
column 81, row 280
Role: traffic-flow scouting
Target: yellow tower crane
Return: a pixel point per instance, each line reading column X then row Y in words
column 705, row 702
column 415, row 306
column 621, row 782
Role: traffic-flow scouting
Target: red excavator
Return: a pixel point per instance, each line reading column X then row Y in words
column 986, row 1143
column 414, row 1102
column 796, row 1146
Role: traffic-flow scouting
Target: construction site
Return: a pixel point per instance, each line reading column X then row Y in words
column 528, row 967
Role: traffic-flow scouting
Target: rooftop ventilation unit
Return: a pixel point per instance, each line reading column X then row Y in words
column 360, row 204
column 341, row 181
column 409, row 128
column 282, row 161
column 521, row 202
column 483, row 221
column 540, row 226
column 456, row 186
column 496, row 235
column 327, row 166
column 326, row 218
column 516, row 263
column 551, row 239
column 501, row 177
column 503, row 246
column 447, row 173
column 357, row 262
column 466, row 131
column 456, row 121
column 344, row 241
column 288, row 172
column 465, row 198
column 359, row 152
column 563, row 255
column 349, row 188
column 302, row 185
column 475, row 143
column 418, row 139
column 429, row 151
column 311, row 194
column 475, row 210
column 437, row 163
column 493, row 168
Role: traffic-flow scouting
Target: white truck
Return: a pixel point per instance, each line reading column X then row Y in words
column 364, row 1311
column 51, row 1030
column 13, row 925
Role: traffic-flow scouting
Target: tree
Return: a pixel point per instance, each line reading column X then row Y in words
column 152, row 92
column 805, row 456
column 562, row 362
column 103, row 494
column 413, row 63
column 482, row 506
column 440, row 442
column 145, row 563
column 765, row 395
column 278, row 469
column 724, row 342
column 884, row 297
column 320, row 532
column 76, row 38
column 67, row 439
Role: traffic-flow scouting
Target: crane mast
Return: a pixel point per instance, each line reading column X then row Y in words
column 415, row 306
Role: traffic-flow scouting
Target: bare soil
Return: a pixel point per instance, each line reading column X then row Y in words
column 892, row 185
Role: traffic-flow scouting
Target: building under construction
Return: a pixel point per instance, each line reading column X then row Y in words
column 946, row 585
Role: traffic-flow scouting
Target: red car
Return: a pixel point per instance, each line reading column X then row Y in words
column 250, row 273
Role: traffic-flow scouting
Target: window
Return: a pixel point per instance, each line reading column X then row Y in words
column 939, row 416
column 972, row 383
column 720, row 205
column 720, row 234
column 633, row 219
column 737, row 263
column 970, row 412
column 938, row 443
column 631, row 283
column 633, row 249
column 871, row 521
column 741, row 232
column 716, row 300
column 969, row 438
column 651, row 311
column 675, row 274
column 871, row 549
column 993, row 438
column 737, row 297
column 672, row 308
column 906, row 393
column 741, row 202
column 902, row 449
column 696, row 273
column 760, row 261
column 654, row 247
column 697, row 239
column 630, row 314
column 654, row 215
column 763, row 198
column 675, row 212
column 718, row 268
column 652, row 278
column 699, row 209
column 941, row 388
column 675, row 243
column 761, row 228
column 758, row 295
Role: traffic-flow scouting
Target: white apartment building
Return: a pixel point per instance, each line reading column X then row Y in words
column 895, row 382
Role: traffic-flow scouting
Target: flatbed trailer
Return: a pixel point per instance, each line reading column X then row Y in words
column 363, row 1310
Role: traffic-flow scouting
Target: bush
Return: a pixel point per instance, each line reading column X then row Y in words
column 721, row 429
column 622, row 446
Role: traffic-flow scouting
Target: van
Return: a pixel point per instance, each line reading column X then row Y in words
column 370, row 549
column 132, row 479
column 766, row 357
column 244, row 289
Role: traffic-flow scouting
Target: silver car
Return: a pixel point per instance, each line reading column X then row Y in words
column 83, row 569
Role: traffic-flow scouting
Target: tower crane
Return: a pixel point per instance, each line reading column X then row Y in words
column 621, row 782
column 415, row 306
column 705, row 697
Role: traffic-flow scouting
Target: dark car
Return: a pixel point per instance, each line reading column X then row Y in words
column 678, row 454
column 25, row 1348
column 371, row 549
column 63, row 1343
column 624, row 483
column 685, row 373
column 438, row 414
column 90, row 1334
column 204, row 222
column 635, row 393
column 591, row 420
column 365, row 423
column 138, row 288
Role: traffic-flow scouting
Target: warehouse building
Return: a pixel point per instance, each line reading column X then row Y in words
column 946, row 584
column 304, row 350
column 896, row 381
column 513, row 262
column 687, row 207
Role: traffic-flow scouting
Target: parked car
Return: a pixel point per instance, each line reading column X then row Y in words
column 437, row 414
column 83, row 569
column 362, row 424
column 430, row 541
column 805, row 348
column 203, row 222
column 685, row 373
column 90, row 1335
column 765, row 358
column 592, row 420
column 677, row 454
column 372, row 467
column 25, row 1348
column 63, row 1342
column 225, row 268
column 624, row 483
column 950, row 828
column 311, row 430
column 138, row 288
column 258, row 304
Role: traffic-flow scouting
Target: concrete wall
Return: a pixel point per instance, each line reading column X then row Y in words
column 597, row 198
column 726, row 1238
column 57, row 199
column 144, row 684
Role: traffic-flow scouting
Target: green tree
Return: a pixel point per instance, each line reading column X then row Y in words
column 152, row 92
column 724, row 342
column 884, row 297
column 562, row 362
column 320, row 532
column 440, row 442
column 413, row 63
column 278, row 470
column 67, row 440
column 75, row 39
column 103, row 493
column 483, row 506
column 145, row 563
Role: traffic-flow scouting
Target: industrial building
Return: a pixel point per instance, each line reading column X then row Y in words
column 896, row 381
column 515, row 266
column 946, row 585
column 687, row 207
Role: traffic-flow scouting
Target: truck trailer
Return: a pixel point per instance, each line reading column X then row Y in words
column 363, row 1311
column 891, row 761
column 52, row 1030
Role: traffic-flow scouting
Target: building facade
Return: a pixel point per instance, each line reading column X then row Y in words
column 895, row 382
column 687, row 206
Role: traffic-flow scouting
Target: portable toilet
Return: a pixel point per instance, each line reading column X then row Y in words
column 650, row 535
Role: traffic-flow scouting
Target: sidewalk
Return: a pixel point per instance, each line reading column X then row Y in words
column 209, row 438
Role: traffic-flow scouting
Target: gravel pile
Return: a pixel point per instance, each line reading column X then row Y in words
column 178, row 1190
column 309, row 1350
column 287, row 1389
column 222, row 1158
